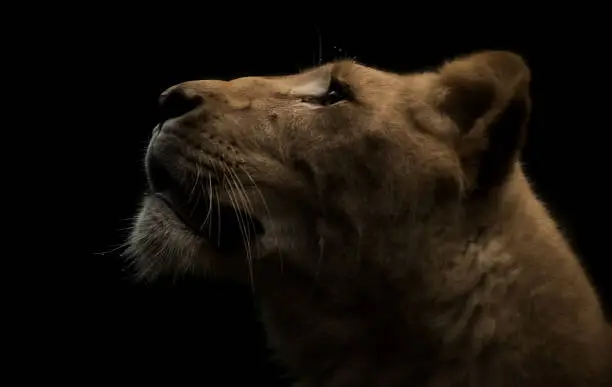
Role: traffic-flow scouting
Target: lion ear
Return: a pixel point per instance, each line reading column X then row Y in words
column 486, row 96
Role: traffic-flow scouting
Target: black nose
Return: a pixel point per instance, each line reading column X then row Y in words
column 176, row 102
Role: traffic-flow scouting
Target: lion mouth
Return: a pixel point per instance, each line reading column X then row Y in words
column 199, row 209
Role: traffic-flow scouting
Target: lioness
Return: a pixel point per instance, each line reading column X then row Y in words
column 382, row 219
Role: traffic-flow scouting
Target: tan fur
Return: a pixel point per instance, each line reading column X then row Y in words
column 403, row 245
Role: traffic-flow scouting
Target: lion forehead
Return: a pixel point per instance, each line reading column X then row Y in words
column 313, row 82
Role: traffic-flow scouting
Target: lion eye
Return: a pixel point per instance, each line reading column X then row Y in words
column 336, row 92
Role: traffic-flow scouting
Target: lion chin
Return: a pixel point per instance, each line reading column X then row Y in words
column 184, row 227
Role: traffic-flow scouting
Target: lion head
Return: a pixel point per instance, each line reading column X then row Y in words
column 308, row 170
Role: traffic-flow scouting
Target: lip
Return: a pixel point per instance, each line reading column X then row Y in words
column 214, row 221
column 218, row 218
column 192, row 210
column 166, row 198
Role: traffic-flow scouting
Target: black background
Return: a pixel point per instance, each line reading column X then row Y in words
column 107, row 326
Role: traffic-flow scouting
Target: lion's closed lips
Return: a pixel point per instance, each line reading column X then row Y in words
column 223, row 226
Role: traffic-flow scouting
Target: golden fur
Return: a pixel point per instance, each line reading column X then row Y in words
column 399, row 241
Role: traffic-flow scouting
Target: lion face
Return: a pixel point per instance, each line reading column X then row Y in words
column 294, row 168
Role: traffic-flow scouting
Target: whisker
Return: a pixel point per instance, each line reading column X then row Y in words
column 193, row 190
column 248, row 205
column 217, row 199
column 237, row 195
column 114, row 249
column 209, row 212
column 124, row 229
column 235, row 206
column 267, row 209
column 241, row 226
column 243, row 196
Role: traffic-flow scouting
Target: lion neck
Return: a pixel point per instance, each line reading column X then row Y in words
column 408, row 249
column 408, row 283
